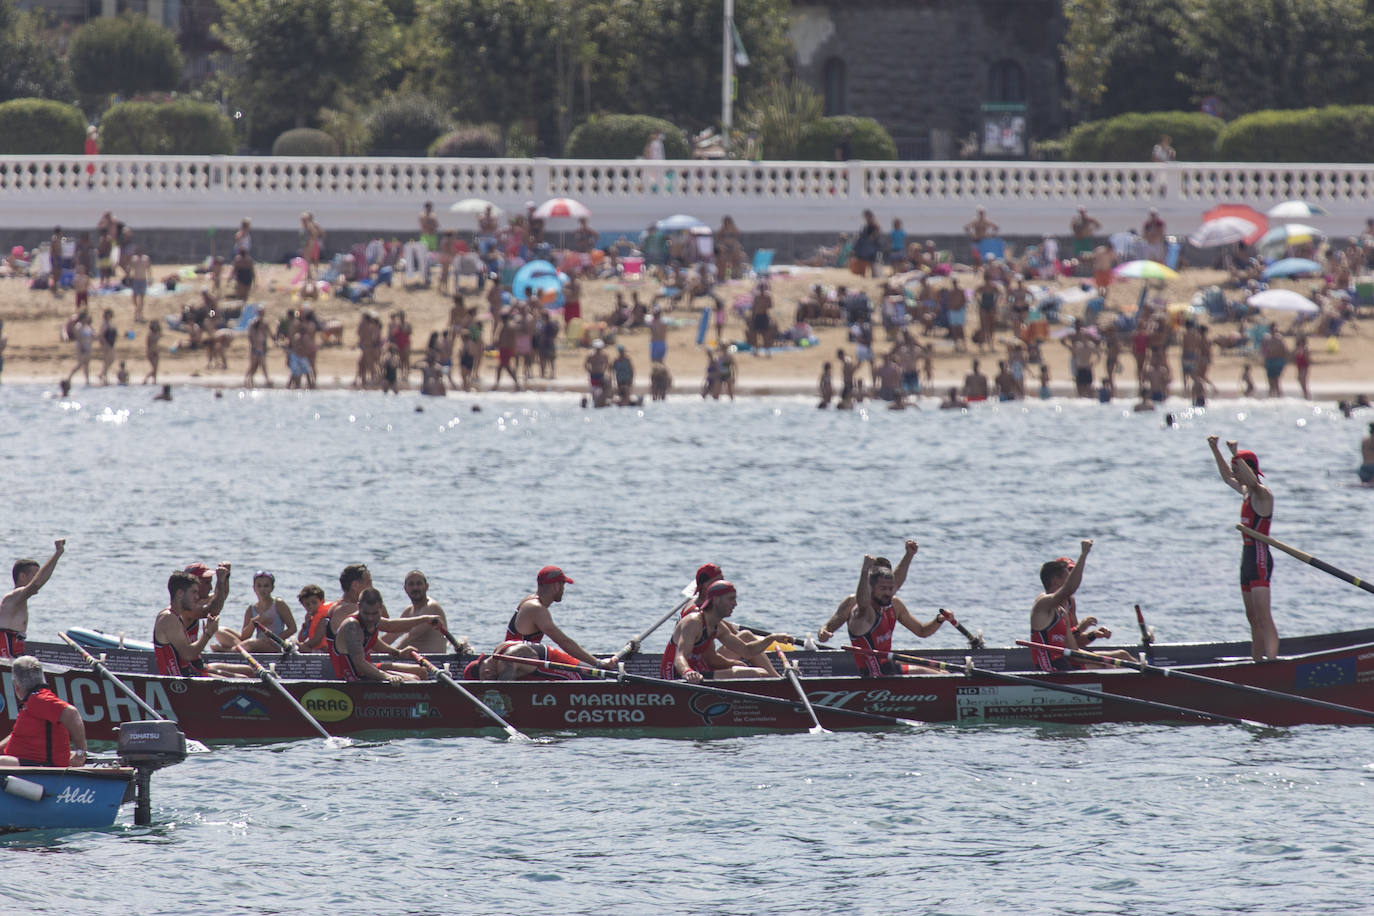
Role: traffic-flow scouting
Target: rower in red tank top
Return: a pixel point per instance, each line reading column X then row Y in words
column 1054, row 619
column 350, row 648
column 1242, row 473
column 873, row 614
column 532, row 620
column 695, row 636
column 500, row 664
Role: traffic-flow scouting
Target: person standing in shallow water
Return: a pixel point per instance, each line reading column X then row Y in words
column 1242, row 474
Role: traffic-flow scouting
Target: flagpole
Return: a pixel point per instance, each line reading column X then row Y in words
column 727, row 76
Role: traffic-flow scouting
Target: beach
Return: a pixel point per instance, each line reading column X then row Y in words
column 34, row 320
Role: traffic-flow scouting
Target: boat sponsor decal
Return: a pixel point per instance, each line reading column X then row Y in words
column 499, row 702
column 421, row 710
column 1335, row 672
column 101, row 701
column 328, row 704
column 1014, row 701
column 243, row 706
column 877, row 700
column 71, row 795
column 708, row 707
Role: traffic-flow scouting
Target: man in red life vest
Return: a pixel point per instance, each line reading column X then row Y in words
column 1242, row 474
column 691, row 654
column 873, row 615
column 29, row 577
column 532, row 621
column 46, row 727
column 177, row 637
column 350, row 650
column 1054, row 617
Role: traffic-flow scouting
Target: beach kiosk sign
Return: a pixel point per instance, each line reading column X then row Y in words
column 1004, row 130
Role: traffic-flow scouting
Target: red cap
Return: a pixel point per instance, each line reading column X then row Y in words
column 1251, row 459
column 708, row 572
column 200, row 571
column 551, row 574
column 718, row 588
column 1070, row 564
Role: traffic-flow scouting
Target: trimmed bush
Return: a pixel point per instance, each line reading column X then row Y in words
column 178, row 128
column 126, row 54
column 1337, row 133
column 405, row 125
column 867, row 139
column 1130, row 137
column 468, row 143
column 35, row 126
column 305, row 141
column 624, row 137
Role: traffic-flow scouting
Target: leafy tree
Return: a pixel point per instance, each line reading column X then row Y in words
column 781, row 116
column 126, row 54
column 30, row 66
column 1087, row 50
column 1146, row 67
column 1257, row 54
column 301, row 56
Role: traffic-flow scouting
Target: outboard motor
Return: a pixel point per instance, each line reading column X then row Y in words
column 148, row 746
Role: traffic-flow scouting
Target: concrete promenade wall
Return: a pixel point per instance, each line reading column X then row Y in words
column 172, row 201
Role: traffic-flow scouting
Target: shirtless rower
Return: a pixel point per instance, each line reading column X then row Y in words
column 1242, row 474
column 350, row 650
column 691, row 654
column 354, row 578
column 428, row 640
column 1054, row 617
column 532, row 621
column 177, row 640
column 873, row 612
column 29, row 577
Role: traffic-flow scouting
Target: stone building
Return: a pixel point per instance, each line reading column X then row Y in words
column 947, row 78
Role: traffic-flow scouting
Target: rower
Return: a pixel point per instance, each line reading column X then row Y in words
column 1054, row 617
column 532, row 621
column 1242, row 474
column 426, row 640
column 874, row 616
column 46, row 727
column 691, row 654
column 350, row 650
column 353, row 580
column 706, row 574
column 846, row 607
column 29, row 577
column 176, row 645
column 490, row 667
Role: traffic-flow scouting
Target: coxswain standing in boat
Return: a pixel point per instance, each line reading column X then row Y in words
column 177, row 640
column 691, row 654
column 532, row 621
column 350, row 651
column 427, row 640
column 1242, row 474
column 1054, row 617
column 29, row 577
column 46, row 727
column 874, row 615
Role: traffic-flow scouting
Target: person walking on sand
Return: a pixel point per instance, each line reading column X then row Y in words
column 1302, row 363
column 1242, row 474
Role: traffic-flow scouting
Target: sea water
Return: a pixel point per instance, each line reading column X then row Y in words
column 942, row 819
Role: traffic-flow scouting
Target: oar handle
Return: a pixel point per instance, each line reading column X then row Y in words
column 974, row 642
column 1146, row 637
column 100, row 668
column 457, row 646
column 286, row 648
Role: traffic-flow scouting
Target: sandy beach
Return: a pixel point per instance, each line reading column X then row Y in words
column 36, row 353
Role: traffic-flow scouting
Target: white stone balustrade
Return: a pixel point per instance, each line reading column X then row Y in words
column 932, row 198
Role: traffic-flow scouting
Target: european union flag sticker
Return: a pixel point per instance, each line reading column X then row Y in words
column 1333, row 673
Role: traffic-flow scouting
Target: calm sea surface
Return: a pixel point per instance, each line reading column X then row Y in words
column 1104, row 819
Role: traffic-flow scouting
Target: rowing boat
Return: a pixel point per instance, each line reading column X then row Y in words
column 1337, row 668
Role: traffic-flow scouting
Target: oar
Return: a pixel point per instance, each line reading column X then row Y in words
column 588, row 671
column 791, row 673
column 1203, row 679
column 275, row 683
column 285, row 647
column 1147, row 636
column 457, row 646
column 688, row 592
column 98, row 666
column 1308, row 559
column 968, row 668
column 974, row 642
column 472, row 698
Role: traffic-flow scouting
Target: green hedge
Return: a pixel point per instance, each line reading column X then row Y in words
column 867, row 139
column 405, row 125
column 178, row 128
column 624, row 137
column 37, row 126
column 305, row 141
column 1131, row 137
column 1338, row 133
column 468, row 143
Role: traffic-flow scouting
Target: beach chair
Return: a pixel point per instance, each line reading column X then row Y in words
column 763, row 259
column 1364, row 295
column 250, row 311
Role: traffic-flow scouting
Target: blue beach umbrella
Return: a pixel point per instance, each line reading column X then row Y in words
column 538, row 276
column 1291, row 267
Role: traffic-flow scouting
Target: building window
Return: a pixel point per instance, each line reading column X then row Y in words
column 835, row 93
column 1006, row 82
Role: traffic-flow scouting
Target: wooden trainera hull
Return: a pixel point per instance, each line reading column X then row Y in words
column 86, row 797
column 1339, row 670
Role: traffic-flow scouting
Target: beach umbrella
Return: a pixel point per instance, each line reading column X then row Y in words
column 476, row 206
column 1290, row 234
column 1145, row 270
column 1295, row 209
column 679, row 221
column 1224, row 231
column 1283, row 300
column 1249, row 214
column 561, row 208
column 1291, row 267
column 537, row 277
